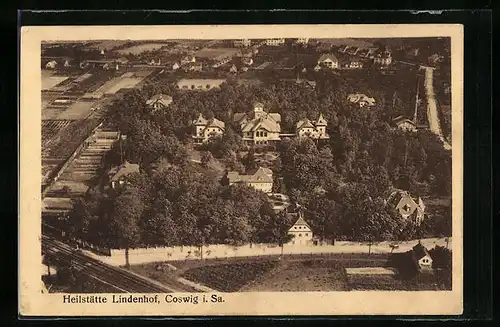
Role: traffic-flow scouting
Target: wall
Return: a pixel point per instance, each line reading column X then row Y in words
column 148, row 255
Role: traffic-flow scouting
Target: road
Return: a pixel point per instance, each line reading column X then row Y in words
column 120, row 279
column 432, row 110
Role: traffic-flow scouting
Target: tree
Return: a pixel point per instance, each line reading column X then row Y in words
column 206, row 159
column 126, row 214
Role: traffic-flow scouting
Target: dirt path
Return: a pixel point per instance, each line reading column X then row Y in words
column 432, row 111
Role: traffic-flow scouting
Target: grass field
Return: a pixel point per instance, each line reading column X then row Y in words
column 211, row 53
column 137, row 49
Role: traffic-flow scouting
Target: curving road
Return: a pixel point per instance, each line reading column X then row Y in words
column 432, row 111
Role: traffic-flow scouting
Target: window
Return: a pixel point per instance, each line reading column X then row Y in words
column 307, row 234
column 300, row 235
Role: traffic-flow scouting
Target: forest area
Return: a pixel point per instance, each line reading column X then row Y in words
column 174, row 201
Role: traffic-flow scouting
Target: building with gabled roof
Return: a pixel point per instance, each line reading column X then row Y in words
column 159, row 101
column 409, row 207
column 301, row 231
column 117, row 175
column 328, row 60
column 361, row 99
column 315, row 129
column 421, row 258
column 405, row 124
column 207, row 128
column 257, row 126
column 260, row 179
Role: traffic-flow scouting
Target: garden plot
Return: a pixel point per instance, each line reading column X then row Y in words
column 127, row 80
column 50, row 129
column 212, row 53
column 78, row 110
column 49, row 80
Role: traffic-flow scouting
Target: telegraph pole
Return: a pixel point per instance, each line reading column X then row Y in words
column 416, row 100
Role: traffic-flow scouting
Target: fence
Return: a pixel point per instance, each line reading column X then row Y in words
column 221, row 251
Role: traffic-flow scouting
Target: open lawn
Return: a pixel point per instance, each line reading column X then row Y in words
column 161, row 273
column 211, row 53
column 49, row 80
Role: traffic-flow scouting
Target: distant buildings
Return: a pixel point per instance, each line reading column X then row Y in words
column 207, row 128
column 328, row 60
column 303, row 40
column 259, row 127
column 188, row 59
column 193, row 67
column 260, row 179
column 405, row 124
column 312, row 129
column 176, row 66
column 242, row 43
column 159, row 101
column 409, row 207
column 233, row 69
column 247, row 61
column 383, row 58
column 275, row 42
column 361, row 99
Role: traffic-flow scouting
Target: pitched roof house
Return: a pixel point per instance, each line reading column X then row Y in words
column 409, row 207
column 207, row 128
column 421, row 258
column 260, row 179
column 405, row 124
column 159, row 101
column 315, row 129
column 51, row 64
column 328, row 60
column 301, row 231
column 361, row 99
column 258, row 126
column 117, row 175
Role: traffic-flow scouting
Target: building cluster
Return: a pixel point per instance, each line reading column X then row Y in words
column 258, row 127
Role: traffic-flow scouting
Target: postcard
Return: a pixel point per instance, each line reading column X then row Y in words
column 262, row 170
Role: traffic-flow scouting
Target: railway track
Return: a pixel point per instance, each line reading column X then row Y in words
column 122, row 280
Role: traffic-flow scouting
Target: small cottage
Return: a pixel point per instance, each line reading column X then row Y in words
column 421, row 258
column 301, row 231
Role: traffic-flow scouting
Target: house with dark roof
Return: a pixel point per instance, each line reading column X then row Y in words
column 207, row 128
column 315, row 129
column 421, row 258
column 260, row 179
column 328, row 60
column 159, row 101
column 259, row 127
column 117, row 176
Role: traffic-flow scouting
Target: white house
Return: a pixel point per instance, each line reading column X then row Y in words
column 383, row 58
column 259, row 127
column 207, row 128
column 302, row 40
column 313, row 129
column 187, row 60
column 233, row 69
column 176, row 66
column 51, row 64
column 361, row 99
column 301, row 231
column 328, row 60
column 260, row 179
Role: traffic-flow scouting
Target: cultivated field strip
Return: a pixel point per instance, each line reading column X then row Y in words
column 118, row 278
column 50, row 129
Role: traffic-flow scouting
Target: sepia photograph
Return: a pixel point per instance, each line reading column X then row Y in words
column 180, row 170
